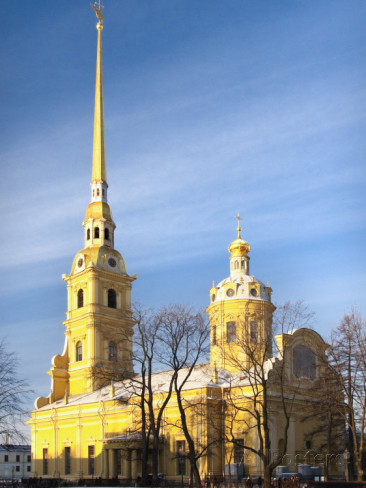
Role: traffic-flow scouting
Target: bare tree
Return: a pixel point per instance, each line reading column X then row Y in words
column 148, row 358
column 13, row 393
column 262, row 389
column 139, row 386
column 185, row 335
column 348, row 360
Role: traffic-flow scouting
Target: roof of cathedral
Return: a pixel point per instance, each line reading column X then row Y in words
column 202, row 376
column 242, row 288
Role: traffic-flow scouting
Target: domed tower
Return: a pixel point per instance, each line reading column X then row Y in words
column 240, row 313
column 98, row 318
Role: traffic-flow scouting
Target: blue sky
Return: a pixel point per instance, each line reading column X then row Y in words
column 211, row 108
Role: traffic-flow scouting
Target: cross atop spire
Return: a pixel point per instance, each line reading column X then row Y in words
column 238, row 218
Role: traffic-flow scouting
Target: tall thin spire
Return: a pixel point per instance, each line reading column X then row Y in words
column 99, row 173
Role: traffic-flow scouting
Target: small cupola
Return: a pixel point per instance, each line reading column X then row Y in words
column 239, row 259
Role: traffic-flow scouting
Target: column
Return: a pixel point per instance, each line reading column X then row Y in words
column 112, row 463
column 105, row 463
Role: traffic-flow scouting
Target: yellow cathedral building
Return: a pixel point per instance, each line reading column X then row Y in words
column 82, row 429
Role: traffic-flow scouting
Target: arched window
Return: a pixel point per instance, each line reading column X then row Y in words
column 236, row 265
column 79, row 351
column 96, row 233
column 112, row 351
column 88, row 234
column 304, row 362
column 106, row 234
column 112, row 298
column 98, row 192
column 80, row 298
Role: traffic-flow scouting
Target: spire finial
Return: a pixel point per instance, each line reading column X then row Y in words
column 238, row 218
column 98, row 10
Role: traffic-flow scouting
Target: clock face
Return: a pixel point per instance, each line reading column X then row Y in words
column 253, row 292
column 80, row 262
column 112, row 262
column 230, row 292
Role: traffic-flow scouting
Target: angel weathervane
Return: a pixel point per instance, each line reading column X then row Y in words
column 97, row 7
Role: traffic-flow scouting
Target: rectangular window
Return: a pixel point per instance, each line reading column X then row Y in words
column 6, row 458
column 91, row 459
column 17, row 468
column 17, row 458
column 28, row 458
column 67, row 460
column 181, row 458
column 239, row 451
column 253, row 332
column 231, row 331
column 28, row 469
column 45, row 461
column 214, row 335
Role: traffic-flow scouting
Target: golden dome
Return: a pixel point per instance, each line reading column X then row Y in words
column 239, row 247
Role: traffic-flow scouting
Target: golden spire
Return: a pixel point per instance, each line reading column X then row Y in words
column 99, row 172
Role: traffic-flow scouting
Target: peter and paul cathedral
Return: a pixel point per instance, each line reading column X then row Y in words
column 82, row 429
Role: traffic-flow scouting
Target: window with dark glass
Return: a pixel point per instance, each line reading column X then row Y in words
column 231, row 331
column 88, row 234
column 96, row 232
column 79, row 351
column 28, row 468
column 67, row 460
column 28, row 458
column 112, row 351
column 17, row 458
column 91, row 459
column 106, row 234
column 214, row 335
column 253, row 332
column 80, row 298
column 119, row 461
column 6, row 458
column 181, row 458
column 112, row 298
column 239, row 451
column 45, row 461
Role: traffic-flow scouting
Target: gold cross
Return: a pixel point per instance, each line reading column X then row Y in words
column 238, row 218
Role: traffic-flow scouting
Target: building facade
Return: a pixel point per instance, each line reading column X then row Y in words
column 83, row 428
column 15, row 461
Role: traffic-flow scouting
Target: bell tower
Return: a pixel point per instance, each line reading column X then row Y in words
column 98, row 319
column 240, row 313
